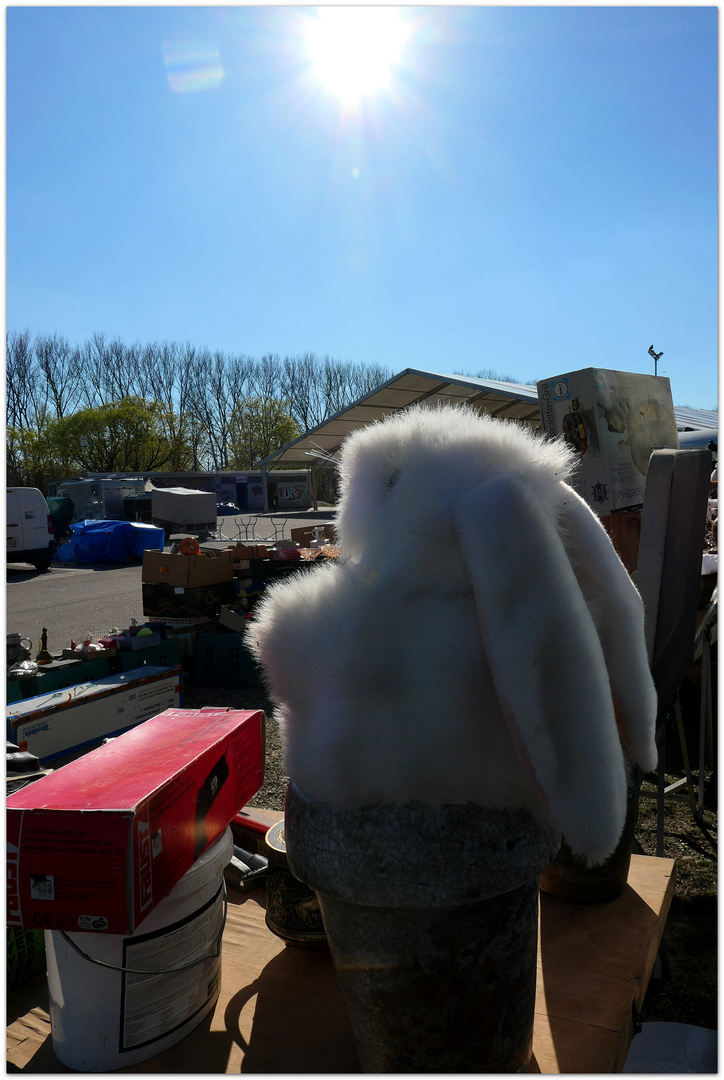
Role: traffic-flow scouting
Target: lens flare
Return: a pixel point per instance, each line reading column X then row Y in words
column 192, row 66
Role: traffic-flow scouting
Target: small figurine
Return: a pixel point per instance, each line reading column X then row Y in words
column 44, row 657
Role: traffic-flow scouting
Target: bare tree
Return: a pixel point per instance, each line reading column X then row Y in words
column 265, row 378
column 302, row 387
column 94, row 360
column 199, row 395
column 217, row 388
column 21, row 375
column 122, row 370
column 59, row 364
column 318, row 387
column 345, row 382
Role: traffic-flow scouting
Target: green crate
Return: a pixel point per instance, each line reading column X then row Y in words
column 48, row 681
column 224, row 660
column 14, row 693
column 166, row 654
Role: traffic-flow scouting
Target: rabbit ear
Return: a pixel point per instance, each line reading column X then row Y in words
column 618, row 613
column 546, row 660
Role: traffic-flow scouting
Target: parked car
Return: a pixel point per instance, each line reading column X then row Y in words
column 30, row 532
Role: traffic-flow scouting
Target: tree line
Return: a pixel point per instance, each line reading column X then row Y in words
column 109, row 406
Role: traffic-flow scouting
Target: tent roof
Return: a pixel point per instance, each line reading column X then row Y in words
column 511, row 401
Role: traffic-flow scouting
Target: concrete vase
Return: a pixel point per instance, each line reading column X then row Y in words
column 431, row 916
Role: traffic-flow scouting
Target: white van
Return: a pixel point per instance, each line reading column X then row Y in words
column 29, row 528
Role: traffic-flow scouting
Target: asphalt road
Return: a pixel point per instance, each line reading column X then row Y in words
column 75, row 601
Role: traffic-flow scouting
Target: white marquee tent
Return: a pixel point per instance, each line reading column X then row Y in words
column 511, row 401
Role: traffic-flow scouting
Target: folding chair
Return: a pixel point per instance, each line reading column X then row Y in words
column 247, row 527
column 278, row 525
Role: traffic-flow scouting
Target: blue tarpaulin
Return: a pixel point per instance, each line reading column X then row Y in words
column 110, row 542
column 223, row 509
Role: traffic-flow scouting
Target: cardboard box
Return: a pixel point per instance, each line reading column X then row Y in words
column 187, row 571
column 175, row 602
column 98, row 844
column 613, row 421
column 72, row 717
column 244, row 552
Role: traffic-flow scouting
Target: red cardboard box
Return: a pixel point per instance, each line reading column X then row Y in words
column 98, row 844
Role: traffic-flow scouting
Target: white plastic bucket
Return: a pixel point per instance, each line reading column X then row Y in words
column 104, row 1019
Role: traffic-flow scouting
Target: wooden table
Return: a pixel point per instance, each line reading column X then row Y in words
column 280, row 1009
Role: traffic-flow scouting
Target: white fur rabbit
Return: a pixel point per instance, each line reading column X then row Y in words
column 473, row 642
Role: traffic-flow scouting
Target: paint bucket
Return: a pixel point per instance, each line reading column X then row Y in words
column 431, row 916
column 103, row 1018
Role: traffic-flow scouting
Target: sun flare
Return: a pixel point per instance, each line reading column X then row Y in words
column 354, row 50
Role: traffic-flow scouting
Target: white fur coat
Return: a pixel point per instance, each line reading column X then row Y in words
column 478, row 640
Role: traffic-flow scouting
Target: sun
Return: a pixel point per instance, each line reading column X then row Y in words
column 354, row 50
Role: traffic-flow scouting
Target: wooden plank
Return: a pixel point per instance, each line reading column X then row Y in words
column 594, row 964
column 570, row 1046
column 280, row 1009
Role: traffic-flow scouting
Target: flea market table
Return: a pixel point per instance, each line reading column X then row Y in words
column 280, row 1009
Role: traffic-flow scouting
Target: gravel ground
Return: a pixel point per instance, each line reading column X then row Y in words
column 273, row 793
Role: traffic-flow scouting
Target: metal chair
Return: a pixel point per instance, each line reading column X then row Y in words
column 278, row 525
column 246, row 527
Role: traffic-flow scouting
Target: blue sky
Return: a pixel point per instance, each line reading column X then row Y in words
column 530, row 190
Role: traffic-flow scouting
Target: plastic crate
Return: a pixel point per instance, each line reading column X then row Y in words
column 224, row 660
column 58, row 678
column 166, row 654
column 14, row 693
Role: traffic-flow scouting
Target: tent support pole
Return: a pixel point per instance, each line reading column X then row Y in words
column 313, row 484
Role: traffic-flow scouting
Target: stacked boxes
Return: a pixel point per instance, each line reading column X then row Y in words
column 183, row 589
column 613, row 421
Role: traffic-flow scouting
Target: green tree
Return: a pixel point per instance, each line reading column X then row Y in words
column 30, row 456
column 123, row 436
column 258, row 428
